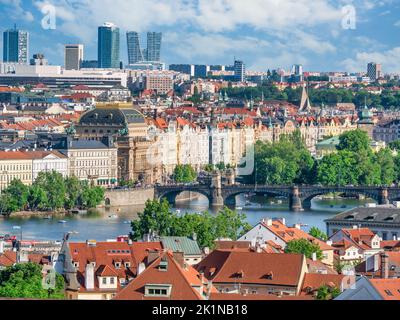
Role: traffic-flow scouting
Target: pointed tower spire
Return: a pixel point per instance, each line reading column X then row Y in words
column 305, row 101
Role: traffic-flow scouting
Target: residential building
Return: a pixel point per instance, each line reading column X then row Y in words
column 381, row 220
column 92, row 160
column 268, row 230
column 15, row 46
column 372, row 289
column 99, row 270
column 387, row 130
column 73, row 56
column 108, row 46
column 15, row 165
column 355, row 244
column 47, row 161
column 374, row 71
column 168, row 278
column 189, row 247
column 233, row 271
column 183, row 68
column 159, row 82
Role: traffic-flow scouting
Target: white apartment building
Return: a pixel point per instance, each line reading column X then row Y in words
column 92, row 160
column 47, row 161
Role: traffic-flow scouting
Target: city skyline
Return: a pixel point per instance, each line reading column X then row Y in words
column 192, row 34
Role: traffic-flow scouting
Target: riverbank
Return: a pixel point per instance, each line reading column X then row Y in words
column 39, row 214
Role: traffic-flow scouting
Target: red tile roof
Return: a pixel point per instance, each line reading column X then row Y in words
column 389, row 289
column 223, row 266
column 181, row 279
column 313, row 281
column 292, row 233
column 105, row 254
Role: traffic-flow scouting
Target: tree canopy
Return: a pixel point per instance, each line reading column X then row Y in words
column 184, row 173
column 25, row 281
column 303, row 246
column 158, row 217
column 49, row 192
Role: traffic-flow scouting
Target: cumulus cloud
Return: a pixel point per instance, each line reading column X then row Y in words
column 15, row 10
column 389, row 60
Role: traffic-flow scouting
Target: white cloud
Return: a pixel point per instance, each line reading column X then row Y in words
column 15, row 10
column 389, row 59
column 397, row 24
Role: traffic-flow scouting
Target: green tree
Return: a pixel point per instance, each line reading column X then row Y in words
column 384, row 159
column 395, row 145
column 54, row 185
column 326, row 292
column 317, row 233
column 354, row 141
column 73, row 189
column 25, row 281
column 19, row 194
column 303, row 246
column 184, row 173
column 156, row 217
column 37, row 198
column 8, row 204
column 91, row 196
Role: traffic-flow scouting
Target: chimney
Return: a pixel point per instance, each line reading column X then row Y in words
column 355, row 227
column 22, row 257
column 283, row 220
column 152, row 256
column 314, row 256
column 1, row 246
column 180, row 258
column 89, row 277
column 384, row 265
column 268, row 222
column 297, row 226
column 141, row 268
column 329, row 242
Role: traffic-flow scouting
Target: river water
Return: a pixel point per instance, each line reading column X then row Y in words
column 103, row 224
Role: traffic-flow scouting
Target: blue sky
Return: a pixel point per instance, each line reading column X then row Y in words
column 266, row 34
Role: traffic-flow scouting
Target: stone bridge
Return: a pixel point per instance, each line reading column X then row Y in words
column 299, row 196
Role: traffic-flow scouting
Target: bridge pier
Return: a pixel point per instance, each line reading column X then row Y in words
column 216, row 199
column 295, row 202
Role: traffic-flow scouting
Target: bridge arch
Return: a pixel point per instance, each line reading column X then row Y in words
column 229, row 197
column 307, row 197
column 171, row 194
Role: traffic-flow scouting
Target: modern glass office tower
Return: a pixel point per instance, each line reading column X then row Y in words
column 154, row 46
column 240, row 71
column 135, row 53
column 15, row 46
column 108, row 46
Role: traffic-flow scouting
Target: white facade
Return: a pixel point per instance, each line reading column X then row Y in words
column 51, row 162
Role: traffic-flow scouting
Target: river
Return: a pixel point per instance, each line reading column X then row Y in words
column 103, row 224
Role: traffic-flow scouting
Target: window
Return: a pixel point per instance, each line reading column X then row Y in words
column 104, row 280
column 112, row 280
column 158, row 290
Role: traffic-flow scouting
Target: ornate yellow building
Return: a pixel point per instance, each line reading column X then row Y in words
column 130, row 131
